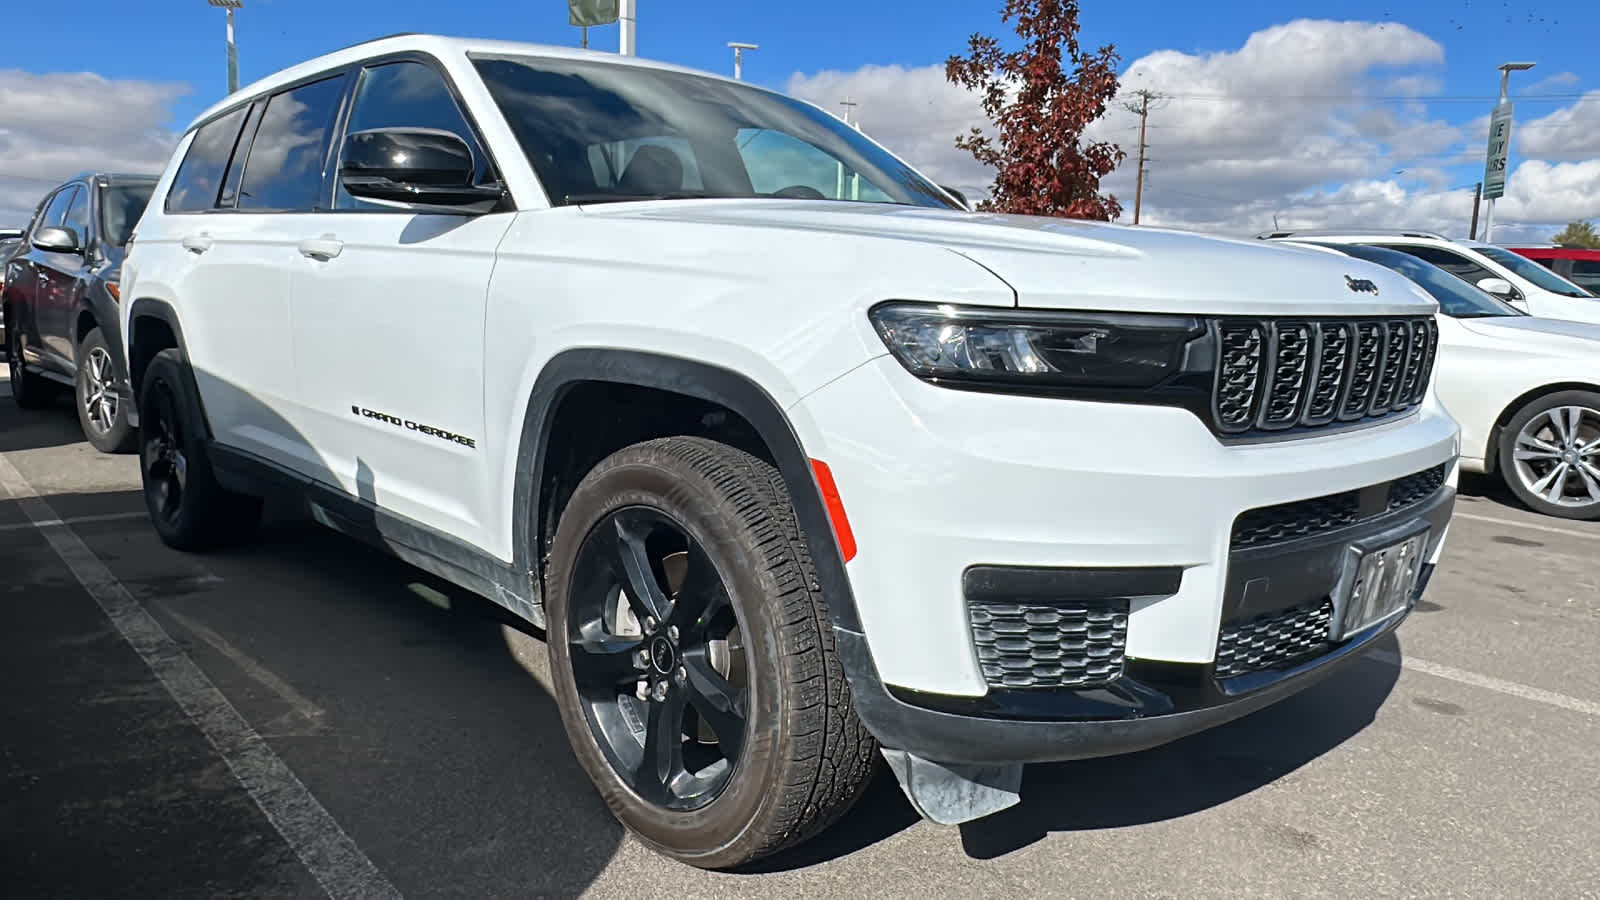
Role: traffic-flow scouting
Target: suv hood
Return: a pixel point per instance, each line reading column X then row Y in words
column 1538, row 334
column 1072, row 263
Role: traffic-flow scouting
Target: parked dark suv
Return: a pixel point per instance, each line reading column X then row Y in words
column 59, row 302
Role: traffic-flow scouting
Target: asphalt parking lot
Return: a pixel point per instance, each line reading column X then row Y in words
column 168, row 719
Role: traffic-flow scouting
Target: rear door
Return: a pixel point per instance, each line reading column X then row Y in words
column 242, row 255
column 388, row 316
column 25, row 280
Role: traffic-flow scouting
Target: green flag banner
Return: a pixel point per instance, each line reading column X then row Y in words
column 587, row 13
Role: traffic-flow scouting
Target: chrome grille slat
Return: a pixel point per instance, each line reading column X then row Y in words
column 1275, row 375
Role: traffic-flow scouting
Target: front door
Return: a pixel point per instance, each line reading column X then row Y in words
column 388, row 316
column 59, row 286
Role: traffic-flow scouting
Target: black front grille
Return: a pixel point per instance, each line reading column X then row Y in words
column 1273, row 640
column 1304, row 518
column 1030, row 645
column 1276, row 375
column 1404, row 492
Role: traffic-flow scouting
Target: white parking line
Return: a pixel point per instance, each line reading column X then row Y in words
column 1509, row 688
column 1534, row 526
column 75, row 520
column 329, row 854
column 297, row 701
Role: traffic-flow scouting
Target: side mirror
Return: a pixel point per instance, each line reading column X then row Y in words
column 958, row 195
column 416, row 168
column 1496, row 286
column 55, row 239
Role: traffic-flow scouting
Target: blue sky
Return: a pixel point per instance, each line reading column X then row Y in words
column 182, row 40
column 1384, row 125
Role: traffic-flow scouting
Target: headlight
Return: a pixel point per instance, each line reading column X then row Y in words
column 1035, row 348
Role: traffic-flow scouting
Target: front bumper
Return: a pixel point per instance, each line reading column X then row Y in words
column 937, row 483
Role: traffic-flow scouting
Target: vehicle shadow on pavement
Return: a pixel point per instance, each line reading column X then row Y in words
column 1193, row 774
column 55, row 425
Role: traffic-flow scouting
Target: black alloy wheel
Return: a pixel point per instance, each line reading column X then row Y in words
column 166, row 468
column 693, row 658
column 657, row 658
column 189, row 509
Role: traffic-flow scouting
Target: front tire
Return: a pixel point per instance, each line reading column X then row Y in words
column 693, row 657
column 101, row 412
column 189, row 509
column 1549, row 455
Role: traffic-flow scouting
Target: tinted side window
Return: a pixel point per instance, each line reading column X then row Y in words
column 1455, row 264
column 77, row 219
column 405, row 95
column 199, row 176
column 284, row 171
column 1586, row 274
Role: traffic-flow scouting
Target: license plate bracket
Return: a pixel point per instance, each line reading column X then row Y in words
column 1379, row 579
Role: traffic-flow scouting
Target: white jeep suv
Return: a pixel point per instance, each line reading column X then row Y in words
column 794, row 458
column 1510, row 276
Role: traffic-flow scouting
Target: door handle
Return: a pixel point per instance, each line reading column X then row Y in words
column 325, row 248
column 197, row 243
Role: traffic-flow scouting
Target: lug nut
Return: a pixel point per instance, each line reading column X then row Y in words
column 642, row 690
column 660, row 693
column 672, row 632
column 642, row 659
column 649, row 624
column 681, row 675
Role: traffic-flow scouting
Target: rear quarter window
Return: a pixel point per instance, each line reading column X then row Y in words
column 199, row 178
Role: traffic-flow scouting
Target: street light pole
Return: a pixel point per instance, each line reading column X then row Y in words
column 627, row 24
column 233, row 56
column 1505, row 79
column 738, row 57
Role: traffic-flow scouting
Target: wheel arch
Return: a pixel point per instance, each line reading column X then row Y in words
column 1491, row 456
column 570, row 371
column 153, row 326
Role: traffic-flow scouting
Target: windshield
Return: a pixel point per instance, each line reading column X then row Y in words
column 121, row 205
column 1457, row 299
column 598, row 132
column 1534, row 272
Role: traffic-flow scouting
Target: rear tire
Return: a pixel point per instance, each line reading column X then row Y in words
column 1544, row 457
column 101, row 412
column 189, row 509
column 791, row 756
column 28, row 390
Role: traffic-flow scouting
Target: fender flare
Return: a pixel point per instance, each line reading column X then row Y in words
column 149, row 307
column 705, row 382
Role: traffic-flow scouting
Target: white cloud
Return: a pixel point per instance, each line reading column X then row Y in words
column 1311, row 121
column 53, row 126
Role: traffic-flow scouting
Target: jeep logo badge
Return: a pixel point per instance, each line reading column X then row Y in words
column 1360, row 285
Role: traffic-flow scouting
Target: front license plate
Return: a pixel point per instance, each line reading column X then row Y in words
column 1384, row 581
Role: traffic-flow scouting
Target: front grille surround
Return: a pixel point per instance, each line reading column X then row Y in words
column 1281, row 375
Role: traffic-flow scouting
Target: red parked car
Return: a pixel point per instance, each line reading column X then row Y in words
column 1581, row 267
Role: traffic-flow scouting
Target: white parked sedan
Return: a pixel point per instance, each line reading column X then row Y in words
column 1525, row 389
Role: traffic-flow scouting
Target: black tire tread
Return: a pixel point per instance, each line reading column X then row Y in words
column 832, row 755
column 123, row 437
column 214, row 516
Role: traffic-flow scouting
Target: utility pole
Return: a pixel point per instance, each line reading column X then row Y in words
column 1142, row 107
column 233, row 55
column 1477, row 197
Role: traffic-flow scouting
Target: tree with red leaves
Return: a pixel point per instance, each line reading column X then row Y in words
column 1040, row 112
